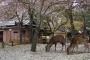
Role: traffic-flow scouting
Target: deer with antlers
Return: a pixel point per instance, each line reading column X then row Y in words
column 78, row 39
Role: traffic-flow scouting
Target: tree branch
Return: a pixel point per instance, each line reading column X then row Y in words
column 52, row 4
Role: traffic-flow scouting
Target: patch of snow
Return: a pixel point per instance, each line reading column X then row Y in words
column 22, row 52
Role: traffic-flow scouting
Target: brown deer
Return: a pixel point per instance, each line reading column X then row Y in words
column 78, row 39
column 54, row 40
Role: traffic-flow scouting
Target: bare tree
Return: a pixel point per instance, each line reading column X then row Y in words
column 40, row 11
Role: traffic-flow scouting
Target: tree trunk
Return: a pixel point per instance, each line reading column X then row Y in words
column 71, row 19
column 84, row 25
column 34, row 32
column 20, row 28
column 20, row 36
column 34, row 40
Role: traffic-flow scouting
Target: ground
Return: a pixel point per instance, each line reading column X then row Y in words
column 22, row 52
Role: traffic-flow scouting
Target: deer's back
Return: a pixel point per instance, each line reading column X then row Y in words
column 78, row 40
column 57, row 38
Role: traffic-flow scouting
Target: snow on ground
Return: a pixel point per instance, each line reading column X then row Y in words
column 22, row 52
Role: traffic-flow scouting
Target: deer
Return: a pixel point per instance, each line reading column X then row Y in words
column 70, row 35
column 76, row 40
column 54, row 40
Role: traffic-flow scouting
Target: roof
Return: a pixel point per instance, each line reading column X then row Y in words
column 8, row 23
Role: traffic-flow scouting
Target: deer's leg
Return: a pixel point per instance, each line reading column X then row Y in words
column 65, row 46
column 68, row 50
column 62, row 46
column 48, row 47
column 55, row 46
column 72, row 49
column 86, row 46
column 77, row 49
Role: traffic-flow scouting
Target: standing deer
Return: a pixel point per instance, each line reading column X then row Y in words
column 54, row 40
column 71, row 34
column 78, row 39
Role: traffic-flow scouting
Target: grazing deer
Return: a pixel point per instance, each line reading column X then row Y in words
column 78, row 39
column 54, row 40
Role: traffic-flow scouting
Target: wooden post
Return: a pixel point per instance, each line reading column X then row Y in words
column 3, row 44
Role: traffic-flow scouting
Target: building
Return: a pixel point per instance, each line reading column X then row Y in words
column 10, row 32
